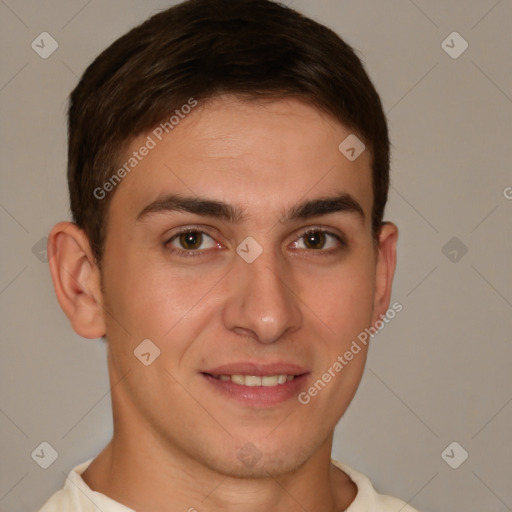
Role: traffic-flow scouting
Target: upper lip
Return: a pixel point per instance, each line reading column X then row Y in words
column 257, row 369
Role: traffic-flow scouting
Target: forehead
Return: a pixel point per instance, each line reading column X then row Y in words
column 259, row 155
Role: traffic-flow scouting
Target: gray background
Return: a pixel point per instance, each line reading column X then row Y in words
column 438, row 373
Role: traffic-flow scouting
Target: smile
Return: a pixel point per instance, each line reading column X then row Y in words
column 257, row 384
column 255, row 380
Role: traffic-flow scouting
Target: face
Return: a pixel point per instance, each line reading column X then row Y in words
column 241, row 246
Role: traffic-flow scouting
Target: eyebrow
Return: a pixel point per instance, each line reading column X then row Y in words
column 340, row 203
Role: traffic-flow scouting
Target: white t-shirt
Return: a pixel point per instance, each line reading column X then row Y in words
column 76, row 496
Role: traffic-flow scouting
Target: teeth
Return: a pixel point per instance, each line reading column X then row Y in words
column 238, row 379
column 251, row 381
column 255, row 381
column 271, row 380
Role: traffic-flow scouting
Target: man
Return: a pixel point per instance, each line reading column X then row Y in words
column 228, row 173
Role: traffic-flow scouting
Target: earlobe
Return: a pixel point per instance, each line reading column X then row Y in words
column 76, row 279
column 385, row 271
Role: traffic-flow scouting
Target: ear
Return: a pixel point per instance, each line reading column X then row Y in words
column 76, row 279
column 385, row 270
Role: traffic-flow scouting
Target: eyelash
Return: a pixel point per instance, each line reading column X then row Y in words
column 200, row 252
column 181, row 252
column 324, row 252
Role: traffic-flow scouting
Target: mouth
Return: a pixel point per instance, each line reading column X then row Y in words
column 256, row 385
column 253, row 381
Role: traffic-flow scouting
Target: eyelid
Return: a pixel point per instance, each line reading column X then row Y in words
column 190, row 229
column 327, row 231
column 189, row 253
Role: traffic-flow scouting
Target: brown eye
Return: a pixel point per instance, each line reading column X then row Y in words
column 194, row 241
column 314, row 240
column 319, row 240
column 191, row 241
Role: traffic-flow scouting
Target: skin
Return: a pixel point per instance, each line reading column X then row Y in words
column 175, row 437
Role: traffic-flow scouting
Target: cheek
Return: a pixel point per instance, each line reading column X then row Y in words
column 147, row 298
column 344, row 297
column 144, row 304
column 135, row 299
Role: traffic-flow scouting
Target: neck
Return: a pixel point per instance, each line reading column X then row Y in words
column 147, row 477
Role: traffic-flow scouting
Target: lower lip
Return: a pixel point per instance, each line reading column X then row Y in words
column 258, row 396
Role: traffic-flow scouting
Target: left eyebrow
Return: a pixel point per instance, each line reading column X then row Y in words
column 342, row 203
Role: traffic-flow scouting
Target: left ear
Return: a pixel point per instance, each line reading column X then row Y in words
column 385, row 270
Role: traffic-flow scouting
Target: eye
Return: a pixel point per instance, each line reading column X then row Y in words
column 191, row 241
column 317, row 240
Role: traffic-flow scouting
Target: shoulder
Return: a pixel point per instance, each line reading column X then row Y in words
column 367, row 498
column 59, row 502
column 77, row 496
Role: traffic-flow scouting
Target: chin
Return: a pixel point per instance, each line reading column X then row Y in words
column 253, row 460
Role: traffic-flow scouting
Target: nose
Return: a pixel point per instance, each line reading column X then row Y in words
column 261, row 303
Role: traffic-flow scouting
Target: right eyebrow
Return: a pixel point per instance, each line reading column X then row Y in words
column 204, row 207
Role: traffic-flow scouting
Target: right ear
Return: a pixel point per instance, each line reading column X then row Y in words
column 76, row 279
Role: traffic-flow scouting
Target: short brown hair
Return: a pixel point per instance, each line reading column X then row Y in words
column 200, row 49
